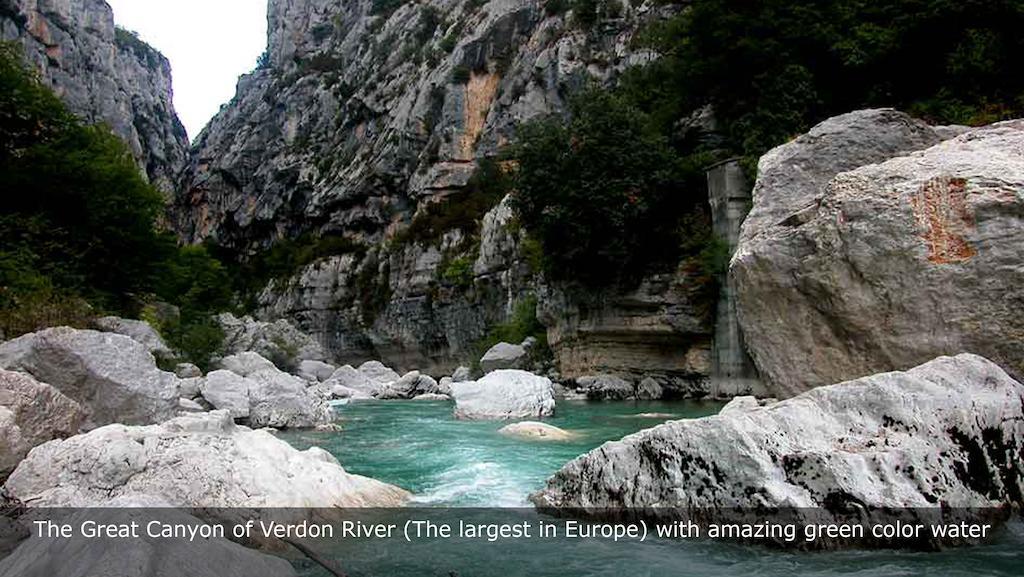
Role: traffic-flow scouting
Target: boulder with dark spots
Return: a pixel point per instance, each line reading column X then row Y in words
column 947, row 434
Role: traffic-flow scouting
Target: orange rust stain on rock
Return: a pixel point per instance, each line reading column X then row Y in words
column 480, row 93
column 940, row 207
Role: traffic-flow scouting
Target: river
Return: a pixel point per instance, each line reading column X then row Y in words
column 447, row 463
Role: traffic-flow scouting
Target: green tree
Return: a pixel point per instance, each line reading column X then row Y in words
column 602, row 192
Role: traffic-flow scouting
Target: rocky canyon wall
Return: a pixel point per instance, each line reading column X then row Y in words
column 104, row 75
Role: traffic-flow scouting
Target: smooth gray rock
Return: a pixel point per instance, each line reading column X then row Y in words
column 187, row 371
column 504, row 394
column 343, row 392
column 113, row 377
column 606, row 387
column 199, row 460
column 227, row 391
column 315, row 371
column 139, row 331
column 848, row 268
column 947, row 433
column 32, row 413
column 412, row 384
column 503, row 356
column 142, row 557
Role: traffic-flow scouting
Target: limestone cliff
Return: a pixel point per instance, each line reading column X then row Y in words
column 364, row 111
column 364, row 114
column 104, row 75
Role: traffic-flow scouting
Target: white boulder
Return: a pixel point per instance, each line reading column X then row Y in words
column 504, row 394
column 200, row 460
column 113, row 377
column 948, row 433
column 861, row 255
column 32, row 413
column 227, row 391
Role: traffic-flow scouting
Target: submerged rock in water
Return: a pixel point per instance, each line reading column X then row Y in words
column 113, row 377
column 201, row 460
column 948, row 433
column 535, row 430
column 32, row 413
column 504, row 394
column 861, row 255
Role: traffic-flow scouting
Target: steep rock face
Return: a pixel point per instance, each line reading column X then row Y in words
column 660, row 330
column 104, row 75
column 359, row 120
column 359, row 116
column 847, row 268
column 947, row 433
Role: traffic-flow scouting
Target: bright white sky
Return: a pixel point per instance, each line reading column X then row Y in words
column 209, row 43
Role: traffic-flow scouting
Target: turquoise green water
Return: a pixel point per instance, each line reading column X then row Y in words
column 447, row 463
column 418, row 446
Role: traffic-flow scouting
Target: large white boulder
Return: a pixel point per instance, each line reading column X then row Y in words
column 32, row 413
column 227, row 391
column 378, row 372
column 315, row 371
column 113, row 377
column 144, row 556
column 861, row 256
column 255, row 390
column 948, row 433
column 504, row 394
column 201, row 460
column 503, row 356
column 139, row 331
column 354, row 379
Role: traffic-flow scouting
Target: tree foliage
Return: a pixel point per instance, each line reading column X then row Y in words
column 603, row 192
column 79, row 222
column 772, row 69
